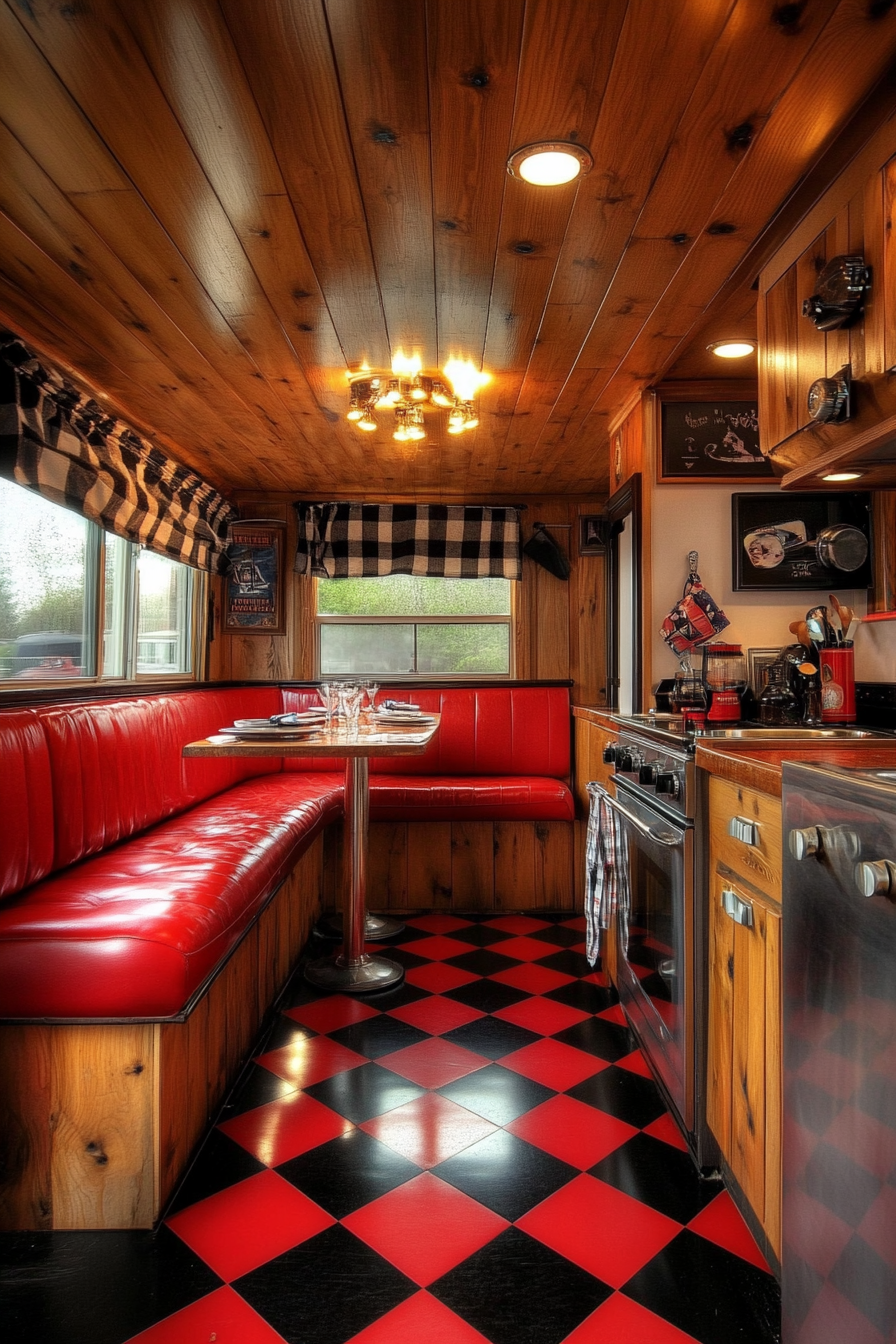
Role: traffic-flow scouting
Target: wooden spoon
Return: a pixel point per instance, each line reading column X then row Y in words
column 801, row 630
column 843, row 611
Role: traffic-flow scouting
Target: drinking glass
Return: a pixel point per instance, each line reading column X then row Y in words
column 371, row 689
column 329, row 694
column 350, row 695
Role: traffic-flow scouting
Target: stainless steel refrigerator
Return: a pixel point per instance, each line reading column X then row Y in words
column 839, row 1152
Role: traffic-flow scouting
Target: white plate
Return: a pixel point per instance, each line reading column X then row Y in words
column 270, row 733
column 393, row 716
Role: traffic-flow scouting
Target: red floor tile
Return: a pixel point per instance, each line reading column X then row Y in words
column 439, row 947
column 526, row 949
column 518, row 924
column 542, row 1015
column 554, row 1064
column 285, row 1128
column 576, row 923
column 436, row 1014
column 222, row 1316
column 330, row 1014
column 828, row 1235
column 614, row 1014
column 572, row 1131
column 877, row 1226
column 428, row 1130
column 433, row 1063
column 722, row 1223
column 310, row 1061
column 425, row 1227
column 666, row 1129
column 600, row 1229
column 596, row 978
column 532, row 978
column 419, row 1320
column 438, row 923
column 832, row 1317
column 438, row 978
column 249, row 1223
column 635, row 1063
column 621, row 1321
column 852, row 1130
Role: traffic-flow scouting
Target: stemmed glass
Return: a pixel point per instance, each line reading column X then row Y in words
column 329, row 694
column 350, row 694
column 371, row 689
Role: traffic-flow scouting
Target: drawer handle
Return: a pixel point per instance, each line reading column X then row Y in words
column 740, row 828
column 736, row 908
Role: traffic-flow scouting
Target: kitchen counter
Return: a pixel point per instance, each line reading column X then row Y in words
column 754, row 766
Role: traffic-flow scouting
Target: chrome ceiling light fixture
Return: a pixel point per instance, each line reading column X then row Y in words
column 550, row 163
column 733, row 348
column 407, row 392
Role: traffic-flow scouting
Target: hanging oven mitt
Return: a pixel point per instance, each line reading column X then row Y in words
column 695, row 618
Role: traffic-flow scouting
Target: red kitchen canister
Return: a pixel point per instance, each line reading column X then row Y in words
column 838, row 685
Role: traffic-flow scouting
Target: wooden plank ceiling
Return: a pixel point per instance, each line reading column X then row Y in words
column 211, row 209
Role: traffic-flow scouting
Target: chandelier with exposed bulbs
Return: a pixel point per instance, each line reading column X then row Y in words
column 407, row 392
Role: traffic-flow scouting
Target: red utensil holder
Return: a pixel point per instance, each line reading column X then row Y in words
column 838, row 685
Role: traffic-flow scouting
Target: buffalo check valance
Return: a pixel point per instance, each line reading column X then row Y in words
column 56, row 440
column 450, row 541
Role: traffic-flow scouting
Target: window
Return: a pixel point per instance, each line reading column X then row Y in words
column 414, row 627
column 59, row 574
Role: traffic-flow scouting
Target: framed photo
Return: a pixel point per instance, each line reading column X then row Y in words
column 592, row 534
column 253, row 586
column 758, row 663
column 784, row 542
column 709, row 433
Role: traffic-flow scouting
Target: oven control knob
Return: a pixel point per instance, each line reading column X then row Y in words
column 669, row 781
column 647, row 774
column 804, row 843
column 610, row 753
column 630, row 763
column 876, row 879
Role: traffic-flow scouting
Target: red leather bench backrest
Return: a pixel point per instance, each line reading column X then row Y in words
column 77, row 778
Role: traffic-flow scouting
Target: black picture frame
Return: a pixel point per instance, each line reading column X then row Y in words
column 592, row 534
column 253, row 585
column 709, row 433
column 774, row 541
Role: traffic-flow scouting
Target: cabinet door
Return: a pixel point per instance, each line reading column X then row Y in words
column 744, row 1096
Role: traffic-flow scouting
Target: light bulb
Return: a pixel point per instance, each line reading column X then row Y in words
column 368, row 423
column 465, row 378
column 355, row 413
column 416, row 432
column 455, row 427
column 732, row 349
column 400, row 434
column 441, row 396
column 471, row 421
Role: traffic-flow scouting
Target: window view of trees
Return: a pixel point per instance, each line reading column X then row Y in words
column 424, row 636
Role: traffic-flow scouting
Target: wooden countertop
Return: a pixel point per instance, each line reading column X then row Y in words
column 757, row 767
column 598, row 714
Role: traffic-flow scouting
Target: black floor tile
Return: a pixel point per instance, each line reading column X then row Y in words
column 867, row 1281
column 620, row 1092
column 482, row 961
column 347, row 1173
column 518, row 1291
column 559, row 936
column 811, row 1106
column 408, row 935
column 658, row 1175
column 598, row 1037
column 567, row 962
column 404, row 957
column 398, row 997
column 360, row 1094
column 220, row 1163
column 256, row 1087
column 845, row 1188
column 95, row 1287
column 284, row 1031
column 377, row 1036
column 581, row 994
column 709, row 1293
column 496, row 1094
column 491, row 1036
column 480, row 935
column 505, row 1174
column 324, row 1290
column 486, row 995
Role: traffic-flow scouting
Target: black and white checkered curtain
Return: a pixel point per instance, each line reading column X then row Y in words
column 450, row 541
column 57, row 441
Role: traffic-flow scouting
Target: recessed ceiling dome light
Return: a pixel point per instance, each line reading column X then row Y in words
column 550, row 163
column 842, row 476
column 732, row 349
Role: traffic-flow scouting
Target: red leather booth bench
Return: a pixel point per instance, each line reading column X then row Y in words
column 151, row 908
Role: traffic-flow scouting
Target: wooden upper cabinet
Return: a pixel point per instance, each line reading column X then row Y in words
column 854, row 217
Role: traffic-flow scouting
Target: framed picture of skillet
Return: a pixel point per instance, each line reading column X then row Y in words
column 784, row 542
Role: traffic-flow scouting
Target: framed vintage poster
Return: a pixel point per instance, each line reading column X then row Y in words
column 789, row 542
column 592, row 534
column 253, row 586
column 709, row 433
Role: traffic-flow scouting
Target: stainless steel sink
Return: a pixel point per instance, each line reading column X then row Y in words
column 796, row 734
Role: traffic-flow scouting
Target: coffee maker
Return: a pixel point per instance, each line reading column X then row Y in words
column 725, row 680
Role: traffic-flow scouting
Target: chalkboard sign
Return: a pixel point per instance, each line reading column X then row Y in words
column 711, row 441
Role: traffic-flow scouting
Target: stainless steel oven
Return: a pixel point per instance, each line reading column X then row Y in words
column 661, row 959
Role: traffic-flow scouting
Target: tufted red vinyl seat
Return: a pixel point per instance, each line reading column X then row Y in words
column 455, row 798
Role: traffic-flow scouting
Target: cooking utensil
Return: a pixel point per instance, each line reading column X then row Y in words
column 836, row 626
column 820, row 631
column 801, row 631
column 842, row 547
column 851, row 630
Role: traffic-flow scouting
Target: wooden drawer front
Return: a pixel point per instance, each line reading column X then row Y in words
column 754, row 851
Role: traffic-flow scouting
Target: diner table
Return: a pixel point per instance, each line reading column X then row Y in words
column 353, row 969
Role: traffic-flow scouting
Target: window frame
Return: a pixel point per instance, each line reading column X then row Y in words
column 191, row 639
column 457, row 618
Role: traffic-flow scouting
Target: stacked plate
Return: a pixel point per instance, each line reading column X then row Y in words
column 263, row 730
column 407, row 714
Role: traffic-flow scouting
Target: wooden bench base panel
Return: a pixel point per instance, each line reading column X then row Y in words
column 98, row 1123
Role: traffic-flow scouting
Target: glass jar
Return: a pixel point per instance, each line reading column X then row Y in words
column 689, row 698
column 778, row 705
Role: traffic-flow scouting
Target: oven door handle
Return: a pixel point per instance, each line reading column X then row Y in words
column 661, row 837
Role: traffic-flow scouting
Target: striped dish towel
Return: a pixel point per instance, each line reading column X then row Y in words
column 605, row 867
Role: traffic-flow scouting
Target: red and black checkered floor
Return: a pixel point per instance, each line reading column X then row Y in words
column 479, row 1155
